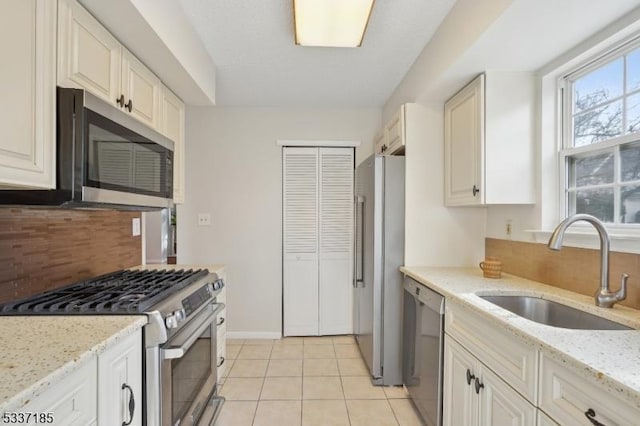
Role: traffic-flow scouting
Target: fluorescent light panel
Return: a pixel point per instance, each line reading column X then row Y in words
column 331, row 23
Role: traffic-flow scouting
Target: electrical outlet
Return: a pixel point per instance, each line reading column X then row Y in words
column 204, row 219
column 135, row 226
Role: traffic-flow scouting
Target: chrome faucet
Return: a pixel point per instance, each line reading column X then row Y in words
column 604, row 297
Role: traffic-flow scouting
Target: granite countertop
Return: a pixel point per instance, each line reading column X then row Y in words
column 36, row 352
column 611, row 358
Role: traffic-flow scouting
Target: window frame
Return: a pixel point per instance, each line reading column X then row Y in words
column 566, row 129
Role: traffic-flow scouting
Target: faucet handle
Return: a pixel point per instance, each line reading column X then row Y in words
column 621, row 294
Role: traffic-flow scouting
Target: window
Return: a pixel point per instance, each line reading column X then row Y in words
column 601, row 152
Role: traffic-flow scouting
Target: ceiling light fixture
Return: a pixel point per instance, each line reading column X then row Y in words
column 331, row 23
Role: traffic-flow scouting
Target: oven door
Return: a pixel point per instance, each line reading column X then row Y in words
column 189, row 372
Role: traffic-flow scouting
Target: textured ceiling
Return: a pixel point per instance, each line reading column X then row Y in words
column 252, row 44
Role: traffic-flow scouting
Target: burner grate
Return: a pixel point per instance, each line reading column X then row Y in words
column 121, row 292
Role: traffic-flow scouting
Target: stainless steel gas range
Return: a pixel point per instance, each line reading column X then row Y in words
column 179, row 339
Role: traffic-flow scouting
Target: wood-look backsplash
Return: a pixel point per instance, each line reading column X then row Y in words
column 43, row 249
column 571, row 268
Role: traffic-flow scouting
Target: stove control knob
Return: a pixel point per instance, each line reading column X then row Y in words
column 180, row 314
column 218, row 284
column 171, row 321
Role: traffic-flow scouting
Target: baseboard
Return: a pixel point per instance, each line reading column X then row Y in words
column 254, row 335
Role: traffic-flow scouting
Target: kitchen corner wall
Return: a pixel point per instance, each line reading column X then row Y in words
column 43, row 249
column 234, row 172
column 574, row 269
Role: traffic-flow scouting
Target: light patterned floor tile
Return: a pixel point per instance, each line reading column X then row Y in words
column 320, row 367
column 319, row 351
column 282, row 388
column 361, row 388
column 232, row 351
column 289, row 341
column 278, row 413
column 324, row 413
column 395, row 392
column 242, row 389
column 258, row 341
column 237, row 413
column 286, row 352
column 228, row 367
column 235, row 341
column 284, row 368
column 249, row 368
column 405, row 412
column 370, row 413
column 318, row 340
column 255, row 352
column 322, row 388
column 347, row 351
column 348, row 340
column 352, row 367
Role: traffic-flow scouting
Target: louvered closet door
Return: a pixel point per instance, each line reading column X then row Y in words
column 300, row 246
column 318, row 235
column 336, row 240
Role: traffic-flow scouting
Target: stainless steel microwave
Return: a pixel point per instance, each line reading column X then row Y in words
column 105, row 158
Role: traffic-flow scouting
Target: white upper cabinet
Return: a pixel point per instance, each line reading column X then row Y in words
column 172, row 126
column 27, row 84
column 90, row 58
column 489, row 141
column 392, row 138
column 141, row 90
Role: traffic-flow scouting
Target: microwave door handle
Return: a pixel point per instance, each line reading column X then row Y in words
column 179, row 351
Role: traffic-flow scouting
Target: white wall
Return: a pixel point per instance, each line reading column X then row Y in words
column 234, row 172
column 434, row 234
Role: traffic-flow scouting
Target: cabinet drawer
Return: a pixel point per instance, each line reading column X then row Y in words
column 515, row 361
column 73, row 401
column 544, row 420
column 566, row 397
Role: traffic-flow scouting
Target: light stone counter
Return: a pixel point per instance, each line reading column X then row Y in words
column 611, row 358
column 36, row 352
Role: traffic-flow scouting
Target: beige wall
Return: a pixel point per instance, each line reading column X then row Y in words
column 234, row 172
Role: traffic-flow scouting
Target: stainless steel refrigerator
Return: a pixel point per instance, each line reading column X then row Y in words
column 379, row 253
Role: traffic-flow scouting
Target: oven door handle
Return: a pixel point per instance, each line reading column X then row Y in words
column 175, row 352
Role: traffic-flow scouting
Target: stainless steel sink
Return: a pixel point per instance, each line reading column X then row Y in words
column 554, row 314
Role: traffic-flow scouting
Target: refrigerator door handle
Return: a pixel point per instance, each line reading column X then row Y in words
column 358, row 258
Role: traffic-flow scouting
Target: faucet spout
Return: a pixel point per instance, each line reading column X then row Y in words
column 604, row 297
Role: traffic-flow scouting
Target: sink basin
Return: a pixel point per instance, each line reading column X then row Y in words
column 554, row 314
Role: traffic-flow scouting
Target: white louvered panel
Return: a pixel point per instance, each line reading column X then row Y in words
column 113, row 164
column 300, row 201
column 336, row 240
column 146, row 169
column 336, row 200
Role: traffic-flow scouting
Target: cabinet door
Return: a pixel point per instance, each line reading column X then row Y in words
column 71, row 402
column 395, row 132
column 88, row 55
column 500, row 405
column 27, row 84
column 464, row 143
column 380, row 142
column 172, row 126
column 141, row 89
column 460, row 405
column 120, row 382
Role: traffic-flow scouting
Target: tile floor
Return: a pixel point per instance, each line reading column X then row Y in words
column 306, row 381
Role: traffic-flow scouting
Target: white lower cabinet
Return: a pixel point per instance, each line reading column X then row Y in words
column 222, row 331
column 544, row 420
column 573, row 400
column 70, row 402
column 120, row 383
column 474, row 395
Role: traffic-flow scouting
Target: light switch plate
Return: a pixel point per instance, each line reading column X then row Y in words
column 135, row 226
column 204, row 219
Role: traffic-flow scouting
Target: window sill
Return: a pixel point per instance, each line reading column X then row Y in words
column 626, row 242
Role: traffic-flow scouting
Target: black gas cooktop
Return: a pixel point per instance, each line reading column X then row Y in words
column 121, row 292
